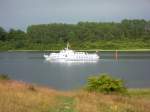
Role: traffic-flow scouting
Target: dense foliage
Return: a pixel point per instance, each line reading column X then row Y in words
column 128, row 34
column 4, row 77
column 105, row 83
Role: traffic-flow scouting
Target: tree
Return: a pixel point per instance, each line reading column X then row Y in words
column 2, row 34
column 84, row 35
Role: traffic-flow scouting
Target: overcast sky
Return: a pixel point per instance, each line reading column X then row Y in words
column 21, row 13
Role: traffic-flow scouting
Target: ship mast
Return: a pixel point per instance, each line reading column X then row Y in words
column 67, row 45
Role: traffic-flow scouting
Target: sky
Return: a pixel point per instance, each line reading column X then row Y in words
column 19, row 14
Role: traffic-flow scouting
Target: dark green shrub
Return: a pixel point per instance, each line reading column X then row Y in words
column 4, row 77
column 105, row 83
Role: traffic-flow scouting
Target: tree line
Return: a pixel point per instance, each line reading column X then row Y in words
column 127, row 34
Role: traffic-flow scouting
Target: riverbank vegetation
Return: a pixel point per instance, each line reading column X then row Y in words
column 105, row 83
column 127, row 34
column 4, row 77
column 19, row 96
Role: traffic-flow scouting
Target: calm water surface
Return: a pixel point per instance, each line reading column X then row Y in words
column 133, row 67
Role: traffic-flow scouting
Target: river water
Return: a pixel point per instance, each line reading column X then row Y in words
column 132, row 67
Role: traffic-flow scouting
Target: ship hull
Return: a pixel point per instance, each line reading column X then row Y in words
column 63, row 59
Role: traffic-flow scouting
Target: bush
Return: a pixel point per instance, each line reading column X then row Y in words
column 31, row 88
column 4, row 77
column 105, row 83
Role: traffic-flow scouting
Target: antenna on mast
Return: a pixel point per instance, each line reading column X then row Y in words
column 67, row 45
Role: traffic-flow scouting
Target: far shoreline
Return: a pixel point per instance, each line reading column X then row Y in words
column 90, row 50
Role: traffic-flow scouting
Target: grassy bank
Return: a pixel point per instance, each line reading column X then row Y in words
column 21, row 97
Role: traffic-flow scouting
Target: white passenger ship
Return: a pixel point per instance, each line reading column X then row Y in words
column 70, row 55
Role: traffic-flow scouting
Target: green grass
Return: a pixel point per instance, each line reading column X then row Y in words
column 140, row 93
column 65, row 104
